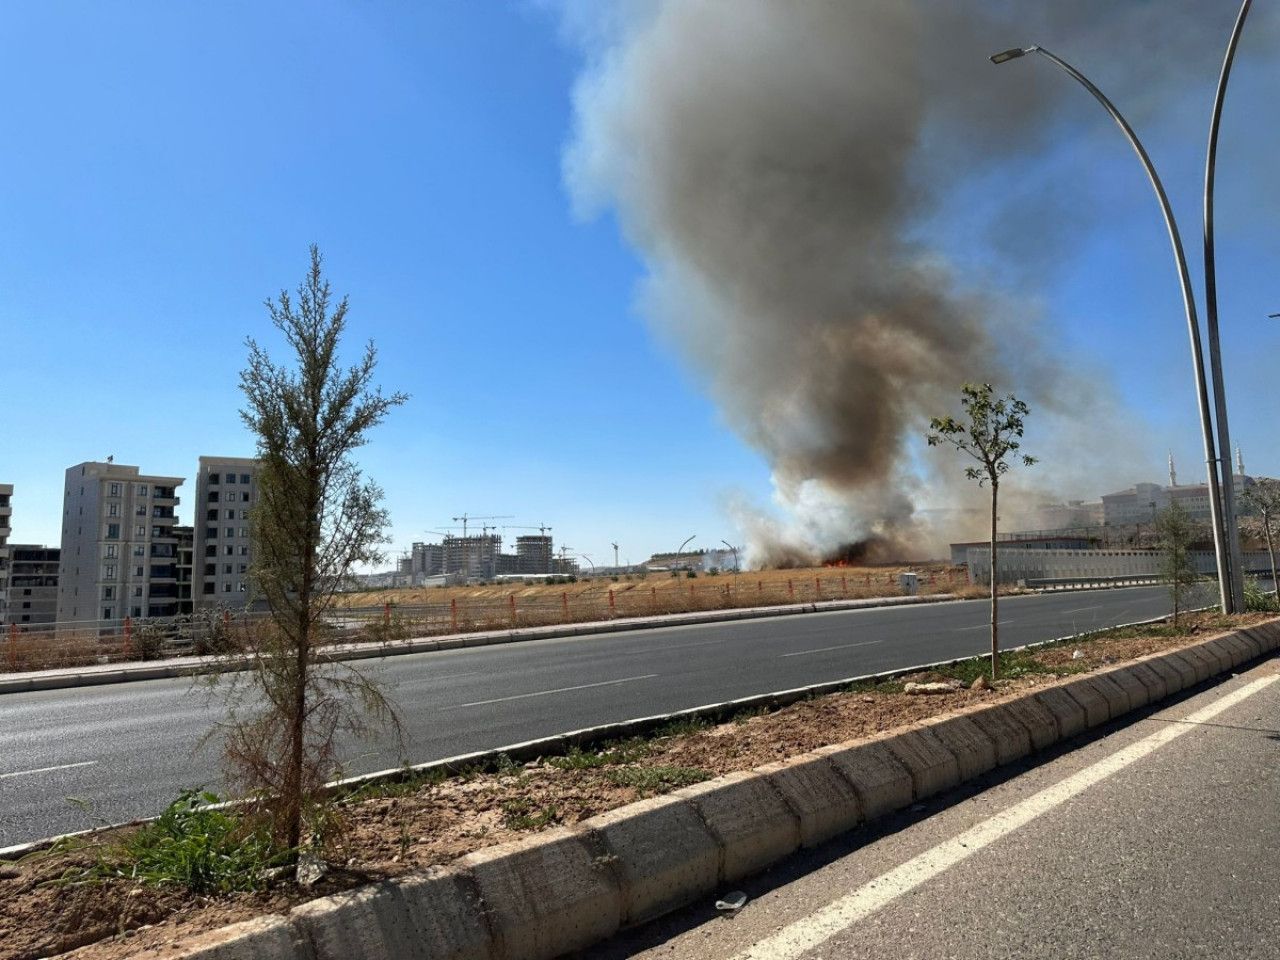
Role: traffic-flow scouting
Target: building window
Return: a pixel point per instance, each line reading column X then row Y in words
column 226, row 568
column 214, row 477
column 139, row 550
column 142, row 489
column 113, row 509
column 231, row 514
column 111, row 551
column 108, row 613
column 213, row 496
column 113, row 531
column 211, row 533
column 244, row 551
column 231, row 532
column 241, row 587
column 244, row 498
column 115, row 490
column 139, row 571
column 137, row 612
column 211, row 550
column 231, row 478
column 109, row 572
column 141, row 511
column 244, row 532
column 159, row 532
column 244, row 568
column 226, row 588
column 244, row 478
column 230, row 550
column 140, row 530
column 209, row 587
column 244, row 514
column 137, row 591
column 108, row 593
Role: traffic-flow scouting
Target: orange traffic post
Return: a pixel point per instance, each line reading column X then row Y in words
column 613, row 604
column 511, row 600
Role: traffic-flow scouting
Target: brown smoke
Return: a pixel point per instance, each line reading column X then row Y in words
column 777, row 163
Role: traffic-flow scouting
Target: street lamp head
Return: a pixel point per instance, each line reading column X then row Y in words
column 1004, row 56
column 1273, row 316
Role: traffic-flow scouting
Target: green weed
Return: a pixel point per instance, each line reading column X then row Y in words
column 648, row 781
column 203, row 850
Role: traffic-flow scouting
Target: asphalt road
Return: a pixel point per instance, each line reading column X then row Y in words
column 1154, row 841
column 125, row 750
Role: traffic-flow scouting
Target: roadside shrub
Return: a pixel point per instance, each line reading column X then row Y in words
column 1258, row 599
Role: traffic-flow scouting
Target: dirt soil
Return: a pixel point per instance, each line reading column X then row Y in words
column 405, row 827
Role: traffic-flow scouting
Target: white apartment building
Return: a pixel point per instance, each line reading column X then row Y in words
column 6, row 523
column 226, row 489
column 119, row 552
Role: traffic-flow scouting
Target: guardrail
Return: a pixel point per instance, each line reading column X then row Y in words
column 1062, row 583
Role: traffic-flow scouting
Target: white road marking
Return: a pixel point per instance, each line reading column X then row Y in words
column 804, row 935
column 1081, row 609
column 986, row 626
column 840, row 646
column 547, row 693
column 61, row 766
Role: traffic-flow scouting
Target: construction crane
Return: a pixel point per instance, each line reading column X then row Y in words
column 541, row 528
column 467, row 517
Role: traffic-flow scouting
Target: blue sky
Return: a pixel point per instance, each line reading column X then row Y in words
column 164, row 166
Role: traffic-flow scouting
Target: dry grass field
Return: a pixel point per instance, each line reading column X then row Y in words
column 499, row 605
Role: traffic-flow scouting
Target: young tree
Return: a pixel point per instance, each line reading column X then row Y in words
column 1262, row 504
column 315, row 519
column 990, row 432
column 1176, row 531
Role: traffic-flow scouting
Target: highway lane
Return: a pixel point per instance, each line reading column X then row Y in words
column 125, row 750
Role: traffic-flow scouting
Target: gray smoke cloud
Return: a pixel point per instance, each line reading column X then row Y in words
column 786, row 170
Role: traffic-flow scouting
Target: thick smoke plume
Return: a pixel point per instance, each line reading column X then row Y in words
column 786, row 169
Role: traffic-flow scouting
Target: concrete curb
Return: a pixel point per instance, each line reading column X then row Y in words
column 64, row 679
column 567, row 888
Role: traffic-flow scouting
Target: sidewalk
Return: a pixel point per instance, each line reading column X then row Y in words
column 98, row 674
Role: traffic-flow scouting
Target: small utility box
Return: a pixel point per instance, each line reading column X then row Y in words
column 910, row 583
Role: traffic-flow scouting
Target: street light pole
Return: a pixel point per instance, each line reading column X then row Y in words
column 1211, row 325
column 1188, row 303
column 736, row 567
column 681, row 550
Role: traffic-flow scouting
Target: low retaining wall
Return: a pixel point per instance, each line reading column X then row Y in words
column 569, row 887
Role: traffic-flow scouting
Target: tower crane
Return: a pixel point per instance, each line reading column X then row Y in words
column 467, row 517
